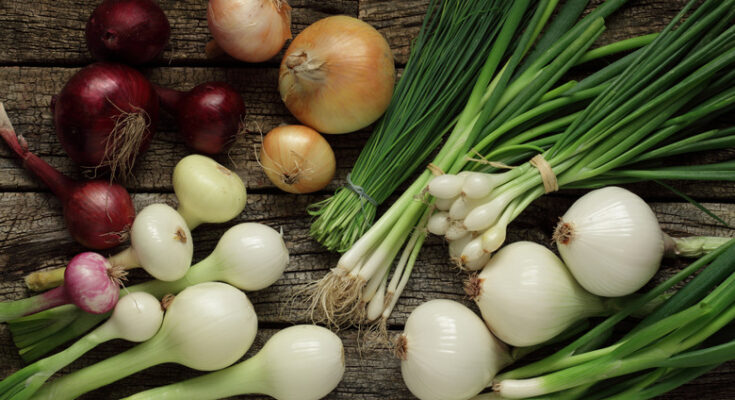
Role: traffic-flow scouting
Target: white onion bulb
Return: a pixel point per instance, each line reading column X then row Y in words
column 447, row 352
column 136, row 317
column 611, row 241
column 446, row 186
column 162, row 242
column 527, row 296
column 250, row 30
column 438, row 223
column 337, row 75
column 297, row 159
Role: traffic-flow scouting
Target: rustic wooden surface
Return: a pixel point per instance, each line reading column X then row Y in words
column 42, row 44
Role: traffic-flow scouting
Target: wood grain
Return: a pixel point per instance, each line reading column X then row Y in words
column 42, row 45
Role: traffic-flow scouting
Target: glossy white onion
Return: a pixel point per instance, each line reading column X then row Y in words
column 297, row 159
column 447, row 352
column 444, row 204
column 162, row 242
column 136, row 317
column 438, row 223
column 446, row 186
column 611, row 241
column 456, row 246
column 337, row 75
column 250, row 30
column 478, row 185
column 207, row 191
column 250, row 256
column 527, row 296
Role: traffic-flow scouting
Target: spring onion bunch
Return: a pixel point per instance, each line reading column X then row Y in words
column 688, row 335
column 249, row 256
column 434, row 85
column 513, row 90
column 654, row 109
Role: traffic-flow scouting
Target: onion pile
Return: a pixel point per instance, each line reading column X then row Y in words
column 129, row 31
column 209, row 116
column 297, row 159
column 105, row 117
column 249, row 30
column 337, row 75
column 98, row 213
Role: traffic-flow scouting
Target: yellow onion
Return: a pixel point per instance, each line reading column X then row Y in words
column 297, row 159
column 249, row 30
column 337, row 75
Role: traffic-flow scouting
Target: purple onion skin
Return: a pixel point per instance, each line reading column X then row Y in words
column 88, row 285
column 209, row 116
column 86, row 109
column 129, row 31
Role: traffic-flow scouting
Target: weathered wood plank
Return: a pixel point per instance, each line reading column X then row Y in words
column 28, row 95
column 52, row 32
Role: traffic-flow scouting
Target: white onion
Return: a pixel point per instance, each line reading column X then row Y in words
column 444, row 204
column 486, row 215
column 162, row 242
column 249, row 30
column 136, row 317
column 456, row 231
column 478, row 185
column 611, row 241
column 473, row 250
column 447, row 352
column 446, row 186
column 438, row 223
column 250, row 256
column 456, row 246
column 527, row 296
column 207, row 191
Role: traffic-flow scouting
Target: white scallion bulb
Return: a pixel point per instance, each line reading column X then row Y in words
column 527, row 296
column 478, row 185
column 446, row 186
column 472, row 251
column 611, row 241
column 444, row 204
column 162, row 242
column 456, row 246
column 456, row 230
column 438, row 223
column 447, row 352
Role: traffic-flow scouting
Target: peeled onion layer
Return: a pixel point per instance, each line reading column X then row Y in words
column 611, row 241
column 337, row 76
column 302, row 362
column 248, row 30
column 527, row 296
column 105, row 117
column 297, row 159
column 447, row 352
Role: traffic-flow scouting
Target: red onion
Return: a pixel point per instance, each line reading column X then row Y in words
column 129, row 31
column 105, row 116
column 98, row 213
column 89, row 284
column 209, row 116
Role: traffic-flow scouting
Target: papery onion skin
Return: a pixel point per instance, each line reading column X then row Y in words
column 209, row 116
column 129, row 31
column 337, row 76
column 90, row 104
column 447, row 352
column 297, row 159
column 611, row 241
column 527, row 296
column 250, row 30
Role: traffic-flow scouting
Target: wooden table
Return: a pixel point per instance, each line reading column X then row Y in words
column 42, row 45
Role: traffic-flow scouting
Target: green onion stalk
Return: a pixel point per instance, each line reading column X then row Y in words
column 512, row 91
column 654, row 109
column 446, row 57
column 690, row 334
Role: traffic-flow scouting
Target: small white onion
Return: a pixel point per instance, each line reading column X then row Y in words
column 447, row 352
column 494, row 237
column 446, row 186
column 444, row 204
column 251, row 256
column 456, row 231
column 487, row 214
column 456, row 246
column 162, row 242
column 136, row 317
column 478, row 185
column 438, row 223
column 527, row 296
column 611, row 241
column 478, row 263
column 472, row 251
column 207, row 191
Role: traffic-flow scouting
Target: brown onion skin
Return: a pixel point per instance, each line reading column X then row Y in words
column 85, row 110
column 209, row 115
column 129, row 31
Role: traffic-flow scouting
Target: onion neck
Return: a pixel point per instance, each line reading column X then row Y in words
column 59, row 184
column 304, row 66
column 169, row 98
column 191, row 219
column 691, row 246
column 126, row 259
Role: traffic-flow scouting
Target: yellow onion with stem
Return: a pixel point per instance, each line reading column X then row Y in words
column 297, row 159
column 337, row 76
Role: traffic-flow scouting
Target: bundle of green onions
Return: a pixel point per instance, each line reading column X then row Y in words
column 646, row 106
column 690, row 334
column 430, row 93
